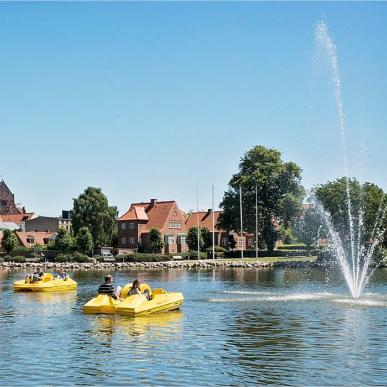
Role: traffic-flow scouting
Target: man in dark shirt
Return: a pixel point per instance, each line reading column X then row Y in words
column 107, row 287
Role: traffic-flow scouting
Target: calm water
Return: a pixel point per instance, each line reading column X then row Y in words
column 236, row 327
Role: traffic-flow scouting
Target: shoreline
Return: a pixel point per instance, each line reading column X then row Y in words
column 201, row 264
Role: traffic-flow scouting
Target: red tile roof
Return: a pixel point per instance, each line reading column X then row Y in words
column 40, row 238
column 205, row 219
column 155, row 212
column 135, row 213
column 17, row 218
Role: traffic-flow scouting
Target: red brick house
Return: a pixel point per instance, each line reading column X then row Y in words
column 134, row 226
column 222, row 237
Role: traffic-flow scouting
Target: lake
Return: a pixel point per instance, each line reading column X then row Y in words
column 240, row 327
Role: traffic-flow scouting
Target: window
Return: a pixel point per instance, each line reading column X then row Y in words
column 240, row 242
column 3, row 203
column 250, row 242
column 131, row 226
column 169, row 239
column 30, row 239
column 225, row 241
column 123, row 226
column 123, row 241
column 175, row 224
column 181, row 239
column 131, row 240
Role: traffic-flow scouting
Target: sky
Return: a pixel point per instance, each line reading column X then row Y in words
column 151, row 100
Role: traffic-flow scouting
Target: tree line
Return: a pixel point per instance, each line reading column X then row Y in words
column 263, row 178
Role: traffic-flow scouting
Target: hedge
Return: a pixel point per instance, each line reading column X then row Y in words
column 75, row 257
column 295, row 246
column 274, row 253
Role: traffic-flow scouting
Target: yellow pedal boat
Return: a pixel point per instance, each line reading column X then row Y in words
column 48, row 283
column 137, row 304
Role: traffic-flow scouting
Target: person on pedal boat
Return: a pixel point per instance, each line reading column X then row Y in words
column 62, row 275
column 35, row 276
column 135, row 289
column 108, row 288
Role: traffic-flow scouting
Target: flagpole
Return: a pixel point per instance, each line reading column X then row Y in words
column 198, row 221
column 241, row 212
column 213, row 224
column 256, row 221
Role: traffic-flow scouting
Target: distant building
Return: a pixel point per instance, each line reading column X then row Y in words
column 134, row 226
column 9, row 212
column 48, row 223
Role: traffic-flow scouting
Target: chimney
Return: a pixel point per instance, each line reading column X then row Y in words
column 153, row 202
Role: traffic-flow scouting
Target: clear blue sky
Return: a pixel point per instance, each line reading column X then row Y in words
column 151, row 100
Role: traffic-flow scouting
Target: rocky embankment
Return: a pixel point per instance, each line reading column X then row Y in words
column 108, row 266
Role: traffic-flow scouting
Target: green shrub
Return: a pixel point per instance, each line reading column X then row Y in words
column 79, row 257
column 218, row 249
column 141, row 257
column 22, row 251
column 17, row 259
column 294, row 246
column 62, row 258
column 275, row 253
column 192, row 255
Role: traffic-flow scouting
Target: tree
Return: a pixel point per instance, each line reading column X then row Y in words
column 310, row 227
column 64, row 242
column 204, row 238
column 368, row 204
column 92, row 210
column 156, row 243
column 84, row 241
column 9, row 241
column 279, row 194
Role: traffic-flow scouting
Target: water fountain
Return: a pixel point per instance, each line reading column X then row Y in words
column 354, row 257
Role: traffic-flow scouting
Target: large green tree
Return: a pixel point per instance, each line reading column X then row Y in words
column 192, row 238
column 279, row 193
column 368, row 204
column 84, row 241
column 9, row 241
column 92, row 210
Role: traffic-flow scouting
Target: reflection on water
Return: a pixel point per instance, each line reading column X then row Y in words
column 239, row 327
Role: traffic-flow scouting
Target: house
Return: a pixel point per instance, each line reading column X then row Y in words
column 134, row 226
column 30, row 239
column 49, row 223
column 222, row 237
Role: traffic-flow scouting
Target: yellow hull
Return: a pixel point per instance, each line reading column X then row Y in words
column 138, row 305
column 47, row 284
column 135, row 305
column 102, row 304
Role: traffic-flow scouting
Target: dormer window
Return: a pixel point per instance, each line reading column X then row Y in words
column 30, row 239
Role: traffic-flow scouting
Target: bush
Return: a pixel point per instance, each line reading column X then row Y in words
column 80, row 258
column 17, row 259
column 274, row 253
column 218, row 249
column 294, row 246
column 141, row 257
column 192, row 255
column 22, row 251
column 62, row 258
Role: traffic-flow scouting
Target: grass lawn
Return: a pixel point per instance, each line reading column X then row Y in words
column 266, row 259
